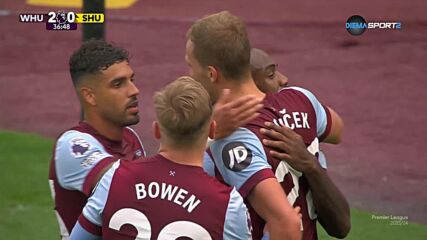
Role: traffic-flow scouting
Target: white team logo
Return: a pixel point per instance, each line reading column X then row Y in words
column 138, row 153
column 236, row 156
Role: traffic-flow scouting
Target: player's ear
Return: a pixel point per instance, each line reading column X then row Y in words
column 212, row 128
column 213, row 73
column 87, row 94
column 156, row 130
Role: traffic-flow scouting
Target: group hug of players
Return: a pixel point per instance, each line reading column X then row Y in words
column 239, row 154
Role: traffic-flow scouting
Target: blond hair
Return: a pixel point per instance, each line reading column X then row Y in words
column 221, row 40
column 184, row 111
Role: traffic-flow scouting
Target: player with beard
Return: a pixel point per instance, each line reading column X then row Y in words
column 104, row 83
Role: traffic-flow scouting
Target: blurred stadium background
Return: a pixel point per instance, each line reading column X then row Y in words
column 376, row 82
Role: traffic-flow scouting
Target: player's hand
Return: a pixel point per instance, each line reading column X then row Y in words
column 289, row 146
column 230, row 114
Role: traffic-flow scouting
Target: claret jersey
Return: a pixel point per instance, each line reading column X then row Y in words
column 79, row 156
column 156, row 198
column 242, row 161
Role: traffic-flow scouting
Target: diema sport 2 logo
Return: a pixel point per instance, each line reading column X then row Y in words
column 356, row 25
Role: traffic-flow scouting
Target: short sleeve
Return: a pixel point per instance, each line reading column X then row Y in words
column 241, row 160
column 91, row 217
column 76, row 155
column 237, row 224
column 323, row 118
column 208, row 164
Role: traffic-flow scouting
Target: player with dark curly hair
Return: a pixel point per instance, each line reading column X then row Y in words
column 104, row 83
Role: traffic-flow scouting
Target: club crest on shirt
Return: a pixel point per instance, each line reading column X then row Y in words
column 138, row 153
column 79, row 147
column 236, row 156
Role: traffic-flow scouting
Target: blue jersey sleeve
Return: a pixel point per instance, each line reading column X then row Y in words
column 208, row 165
column 237, row 224
column 79, row 233
column 321, row 120
column 321, row 114
column 96, row 203
column 322, row 159
column 76, row 153
column 241, row 160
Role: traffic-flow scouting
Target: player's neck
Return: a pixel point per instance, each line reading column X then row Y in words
column 191, row 157
column 244, row 88
column 105, row 128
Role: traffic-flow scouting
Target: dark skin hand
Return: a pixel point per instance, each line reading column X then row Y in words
column 331, row 206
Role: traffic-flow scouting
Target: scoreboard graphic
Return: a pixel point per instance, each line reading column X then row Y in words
column 61, row 20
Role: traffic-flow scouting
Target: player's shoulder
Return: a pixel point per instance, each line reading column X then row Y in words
column 242, row 135
column 294, row 90
column 297, row 92
column 213, row 185
column 76, row 154
column 222, row 196
column 238, row 149
column 208, row 187
column 131, row 136
column 82, row 130
column 140, row 167
column 108, row 175
column 130, row 133
column 296, row 98
column 78, row 141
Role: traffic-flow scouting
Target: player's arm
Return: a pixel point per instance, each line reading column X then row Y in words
column 230, row 114
column 79, row 233
column 89, row 223
column 332, row 208
column 336, row 129
column 80, row 161
column 329, row 124
column 269, row 201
